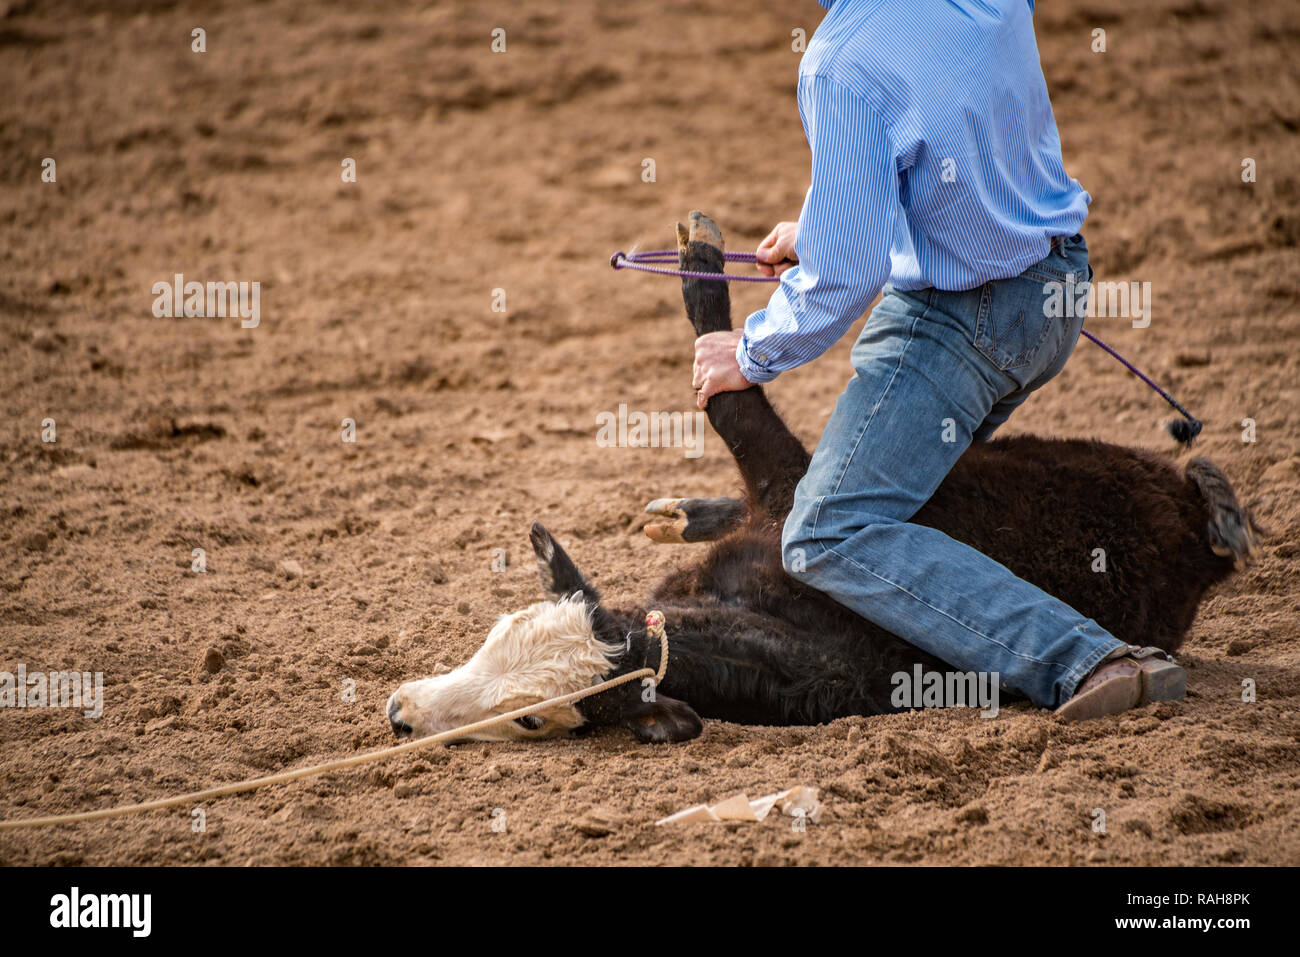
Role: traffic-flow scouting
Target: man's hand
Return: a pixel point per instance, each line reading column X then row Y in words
column 716, row 369
column 775, row 254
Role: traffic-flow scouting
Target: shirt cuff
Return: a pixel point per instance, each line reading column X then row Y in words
column 754, row 365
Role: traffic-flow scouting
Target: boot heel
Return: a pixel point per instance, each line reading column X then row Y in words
column 1163, row 681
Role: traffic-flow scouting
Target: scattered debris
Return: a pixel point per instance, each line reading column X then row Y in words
column 797, row 801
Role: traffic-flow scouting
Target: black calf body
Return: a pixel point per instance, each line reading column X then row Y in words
column 750, row 644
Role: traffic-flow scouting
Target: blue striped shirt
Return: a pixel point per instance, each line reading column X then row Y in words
column 935, row 162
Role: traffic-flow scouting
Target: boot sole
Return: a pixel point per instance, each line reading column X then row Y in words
column 1154, row 681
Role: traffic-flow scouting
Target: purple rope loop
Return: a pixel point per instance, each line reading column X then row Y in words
column 1185, row 433
column 622, row 260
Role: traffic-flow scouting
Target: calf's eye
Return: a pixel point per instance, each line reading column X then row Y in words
column 530, row 722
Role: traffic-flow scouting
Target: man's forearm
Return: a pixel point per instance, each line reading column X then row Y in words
column 801, row 321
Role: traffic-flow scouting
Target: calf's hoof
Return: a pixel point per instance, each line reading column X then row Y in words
column 683, row 520
column 702, row 230
column 666, row 532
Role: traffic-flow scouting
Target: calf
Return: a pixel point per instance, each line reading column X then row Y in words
column 750, row 644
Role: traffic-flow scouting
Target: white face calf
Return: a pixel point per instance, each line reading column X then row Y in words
column 546, row 650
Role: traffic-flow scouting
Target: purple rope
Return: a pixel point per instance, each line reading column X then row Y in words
column 621, row 260
column 1193, row 423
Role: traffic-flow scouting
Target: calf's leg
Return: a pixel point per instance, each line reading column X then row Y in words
column 770, row 458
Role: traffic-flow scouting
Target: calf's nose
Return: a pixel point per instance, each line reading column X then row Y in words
column 400, row 727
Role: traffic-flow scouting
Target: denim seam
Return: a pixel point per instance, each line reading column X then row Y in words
column 884, row 394
column 857, row 439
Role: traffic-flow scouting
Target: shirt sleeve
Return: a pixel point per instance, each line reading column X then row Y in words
column 843, row 237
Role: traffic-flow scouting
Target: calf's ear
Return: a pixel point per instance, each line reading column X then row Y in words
column 664, row 719
column 560, row 576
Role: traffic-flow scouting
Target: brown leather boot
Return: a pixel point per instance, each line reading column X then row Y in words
column 1118, row 684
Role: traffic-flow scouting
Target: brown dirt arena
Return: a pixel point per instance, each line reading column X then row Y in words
column 522, row 172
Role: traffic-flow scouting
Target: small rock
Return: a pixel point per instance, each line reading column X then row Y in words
column 435, row 573
column 78, row 472
column 36, row 542
column 1238, row 647
column 738, row 758
column 46, row 341
column 1030, row 738
column 492, row 774
column 598, row 822
column 974, row 814
column 213, row 661
column 403, row 790
column 1136, row 826
column 1192, row 360
column 291, row 568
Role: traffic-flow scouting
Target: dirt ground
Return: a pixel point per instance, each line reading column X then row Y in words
column 522, row 171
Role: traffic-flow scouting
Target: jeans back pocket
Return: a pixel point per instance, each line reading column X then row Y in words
column 1013, row 321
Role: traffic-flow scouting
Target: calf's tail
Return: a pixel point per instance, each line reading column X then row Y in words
column 1232, row 531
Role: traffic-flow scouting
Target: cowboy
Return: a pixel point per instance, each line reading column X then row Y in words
column 937, row 184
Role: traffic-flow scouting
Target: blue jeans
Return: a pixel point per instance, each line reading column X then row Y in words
column 934, row 371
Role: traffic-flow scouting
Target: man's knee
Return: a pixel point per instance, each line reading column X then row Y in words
column 806, row 537
column 811, row 531
column 794, row 559
column 796, row 539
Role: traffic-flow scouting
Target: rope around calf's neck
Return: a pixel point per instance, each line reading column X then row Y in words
column 654, row 621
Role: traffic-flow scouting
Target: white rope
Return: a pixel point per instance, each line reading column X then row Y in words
column 654, row 621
